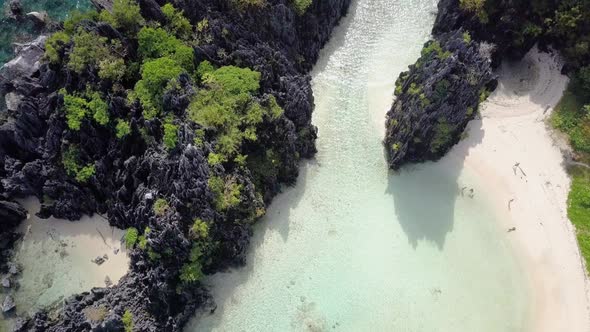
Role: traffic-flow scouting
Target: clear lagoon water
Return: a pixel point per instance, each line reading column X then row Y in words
column 354, row 247
column 56, row 260
column 12, row 31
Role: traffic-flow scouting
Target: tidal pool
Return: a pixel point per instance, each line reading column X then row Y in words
column 354, row 247
column 56, row 259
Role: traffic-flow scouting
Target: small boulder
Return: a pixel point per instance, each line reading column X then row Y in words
column 38, row 18
column 116, row 251
column 107, row 281
column 8, row 304
column 13, row 268
column 98, row 260
column 13, row 99
column 6, row 282
column 16, row 8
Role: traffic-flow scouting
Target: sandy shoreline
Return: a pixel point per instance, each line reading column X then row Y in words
column 531, row 195
column 56, row 257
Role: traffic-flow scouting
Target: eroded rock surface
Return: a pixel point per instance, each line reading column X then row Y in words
column 132, row 172
column 436, row 98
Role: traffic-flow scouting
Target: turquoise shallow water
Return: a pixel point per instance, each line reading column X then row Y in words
column 13, row 31
column 353, row 247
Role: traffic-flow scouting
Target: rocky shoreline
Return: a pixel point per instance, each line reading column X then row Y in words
column 441, row 92
column 140, row 179
column 437, row 97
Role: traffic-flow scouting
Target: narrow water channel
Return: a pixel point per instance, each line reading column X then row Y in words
column 353, row 247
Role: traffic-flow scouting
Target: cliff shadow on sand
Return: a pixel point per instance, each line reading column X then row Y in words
column 427, row 218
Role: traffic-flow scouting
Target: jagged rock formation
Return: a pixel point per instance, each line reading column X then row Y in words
column 436, row 98
column 132, row 172
column 513, row 28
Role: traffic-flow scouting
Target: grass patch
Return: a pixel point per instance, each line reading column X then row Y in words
column 578, row 210
column 571, row 117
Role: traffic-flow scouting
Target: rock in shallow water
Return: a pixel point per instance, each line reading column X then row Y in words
column 98, row 260
column 16, row 8
column 13, row 268
column 40, row 19
column 6, row 282
column 8, row 304
column 436, row 98
column 107, row 281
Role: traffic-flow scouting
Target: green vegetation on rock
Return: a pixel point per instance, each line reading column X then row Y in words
column 89, row 49
column 55, row 45
column 301, row 6
column 78, row 106
column 226, row 191
column 170, row 135
column 192, row 271
column 228, row 108
column 161, row 206
column 200, row 229
column 127, row 319
column 142, row 239
column 433, row 46
column 476, row 7
column 70, row 161
column 123, row 128
column 131, row 237
column 442, row 135
column 244, row 4
column 177, row 24
column 125, row 16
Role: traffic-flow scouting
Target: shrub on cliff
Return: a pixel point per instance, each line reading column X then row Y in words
column 112, row 69
column 177, row 24
column 170, row 135
column 227, row 106
column 226, row 192
column 125, row 16
column 131, row 237
column 161, row 206
column 123, row 128
column 78, row 106
column 127, row 321
column 200, row 229
column 301, row 6
column 244, row 4
column 155, row 75
column 55, row 46
column 157, row 42
column 89, row 49
column 476, row 7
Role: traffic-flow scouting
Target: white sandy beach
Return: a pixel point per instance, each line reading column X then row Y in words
column 514, row 129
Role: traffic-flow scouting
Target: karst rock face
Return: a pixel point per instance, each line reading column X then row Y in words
column 130, row 173
column 436, row 98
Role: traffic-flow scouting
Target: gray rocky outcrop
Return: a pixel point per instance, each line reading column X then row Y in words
column 436, row 98
column 132, row 172
column 8, row 304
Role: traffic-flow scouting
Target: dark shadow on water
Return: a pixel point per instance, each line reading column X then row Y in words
column 277, row 219
column 425, row 194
